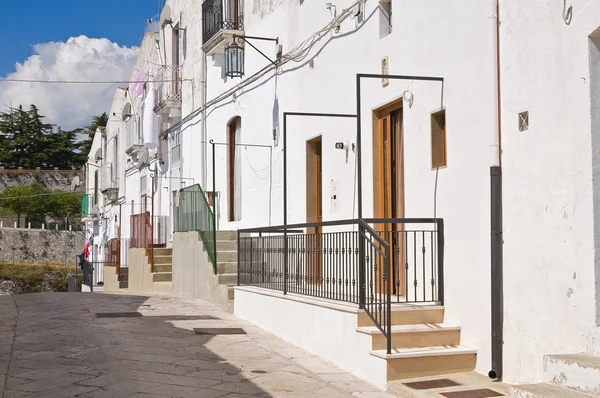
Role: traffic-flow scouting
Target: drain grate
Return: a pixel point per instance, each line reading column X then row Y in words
column 218, row 331
column 430, row 384
column 481, row 393
column 258, row 371
column 118, row 314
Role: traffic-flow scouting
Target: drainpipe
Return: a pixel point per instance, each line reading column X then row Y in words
column 497, row 304
column 203, row 133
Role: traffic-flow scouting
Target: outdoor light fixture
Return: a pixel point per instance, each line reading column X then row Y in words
column 234, row 54
column 234, row 60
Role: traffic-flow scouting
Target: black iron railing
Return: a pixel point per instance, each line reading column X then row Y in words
column 221, row 14
column 372, row 263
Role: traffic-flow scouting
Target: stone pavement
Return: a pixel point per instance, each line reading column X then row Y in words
column 54, row 345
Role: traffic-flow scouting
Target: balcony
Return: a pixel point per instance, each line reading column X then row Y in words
column 133, row 136
column 109, row 181
column 221, row 20
column 167, row 89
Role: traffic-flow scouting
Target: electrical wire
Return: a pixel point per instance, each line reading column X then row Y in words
column 297, row 54
column 10, row 80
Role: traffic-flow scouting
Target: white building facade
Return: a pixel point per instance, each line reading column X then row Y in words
column 428, row 143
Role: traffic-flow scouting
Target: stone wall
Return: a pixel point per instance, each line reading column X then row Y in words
column 40, row 246
column 50, row 179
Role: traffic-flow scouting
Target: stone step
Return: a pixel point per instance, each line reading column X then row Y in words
column 123, row 284
column 163, row 259
column 163, row 252
column 230, row 293
column 544, row 390
column 577, row 372
column 123, row 278
column 162, row 277
column 226, row 267
column 408, row 314
column 226, row 245
column 158, row 245
column 227, row 256
column 414, row 336
column 408, row 363
column 227, row 279
column 227, row 235
column 163, row 267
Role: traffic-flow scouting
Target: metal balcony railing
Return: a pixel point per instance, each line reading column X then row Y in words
column 167, row 87
column 385, row 261
column 221, row 14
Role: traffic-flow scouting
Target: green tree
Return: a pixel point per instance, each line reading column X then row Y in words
column 25, row 200
column 63, row 203
column 90, row 131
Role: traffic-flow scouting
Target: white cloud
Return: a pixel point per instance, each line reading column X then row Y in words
column 80, row 58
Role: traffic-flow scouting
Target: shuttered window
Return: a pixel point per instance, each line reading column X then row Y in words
column 438, row 139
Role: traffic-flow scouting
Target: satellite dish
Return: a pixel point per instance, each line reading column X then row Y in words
column 165, row 17
column 143, row 160
column 126, row 113
column 75, row 184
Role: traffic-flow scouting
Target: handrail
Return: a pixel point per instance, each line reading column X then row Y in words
column 207, row 229
column 291, row 258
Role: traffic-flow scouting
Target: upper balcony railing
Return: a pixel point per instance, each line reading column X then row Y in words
column 221, row 15
column 167, row 88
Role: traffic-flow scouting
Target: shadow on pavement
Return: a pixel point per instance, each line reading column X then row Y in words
column 61, row 349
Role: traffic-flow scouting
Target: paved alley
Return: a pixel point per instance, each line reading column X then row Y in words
column 123, row 345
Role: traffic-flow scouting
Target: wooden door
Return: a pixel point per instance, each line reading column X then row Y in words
column 389, row 191
column 314, row 209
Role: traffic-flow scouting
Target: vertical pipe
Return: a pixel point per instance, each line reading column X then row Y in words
column 214, row 220
column 496, row 265
column 361, row 228
column 388, row 270
column 152, row 230
column 285, row 232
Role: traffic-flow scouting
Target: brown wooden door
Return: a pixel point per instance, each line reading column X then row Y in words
column 314, row 207
column 389, row 191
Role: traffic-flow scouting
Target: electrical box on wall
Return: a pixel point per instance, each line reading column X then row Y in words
column 334, row 196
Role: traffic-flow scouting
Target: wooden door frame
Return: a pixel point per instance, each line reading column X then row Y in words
column 381, row 116
column 314, row 203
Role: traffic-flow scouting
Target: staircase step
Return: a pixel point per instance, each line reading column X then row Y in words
column 123, row 285
column 162, row 259
column 230, row 293
column 158, row 245
column 163, row 267
column 162, row 277
column 227, row 235
column 408, row 314
column 163, row 252
column 414, row 336
column 123, row 278
column 226, row 267
column 227, row 256
column 577, row 372
column 469, row 384
column 227, row 279
column 408, row 363
column 226, row 245
column 544, row 390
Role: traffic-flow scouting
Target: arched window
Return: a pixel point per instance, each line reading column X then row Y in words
column 234, row 172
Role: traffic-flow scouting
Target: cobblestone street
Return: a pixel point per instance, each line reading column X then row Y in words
column 56, row 345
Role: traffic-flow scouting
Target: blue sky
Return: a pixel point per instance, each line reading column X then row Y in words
column 29, row 22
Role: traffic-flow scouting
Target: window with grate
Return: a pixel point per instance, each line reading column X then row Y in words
column 176, row 147
column 438, row 139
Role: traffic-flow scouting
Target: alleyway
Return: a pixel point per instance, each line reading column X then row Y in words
column 57, row 345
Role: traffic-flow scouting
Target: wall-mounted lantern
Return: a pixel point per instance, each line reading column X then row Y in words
column 234, row 60
column 234, row 54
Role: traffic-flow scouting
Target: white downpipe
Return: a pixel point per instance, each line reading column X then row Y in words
column 494, row 128
column 203, row 132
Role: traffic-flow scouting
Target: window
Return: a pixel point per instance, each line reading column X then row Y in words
column 438, row 139
column 176, row 148
column 385, row 18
